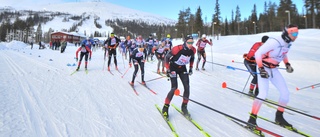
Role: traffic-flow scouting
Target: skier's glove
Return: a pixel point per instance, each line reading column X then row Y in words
column 190, row 71
column 77, row 59
column 263, row 73
column 289, row 68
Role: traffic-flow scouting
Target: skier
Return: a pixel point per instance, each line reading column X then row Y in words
column 268, row 58
column 112, row 44
column 160, row 53
column 138, row 42
column 150, row 43
column 168, row 43
column 127, row 44
column 130, row 47
column 138, row 56
column 201, row 44
column 250, row 63
column 175, row 63
column 85, row 50
column 63, row 45
column 88, row 42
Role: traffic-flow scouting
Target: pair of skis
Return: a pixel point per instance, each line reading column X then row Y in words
column 187, row 117
column 144, row 85
column 77, row 71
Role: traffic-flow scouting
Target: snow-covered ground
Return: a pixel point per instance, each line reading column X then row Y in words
column 39, row 97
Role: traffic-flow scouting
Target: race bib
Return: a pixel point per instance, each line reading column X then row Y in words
column 83, row 49
column 113, row 41
column 160, row 50
column 183, row 60
column 202, row 44
column 139, row 54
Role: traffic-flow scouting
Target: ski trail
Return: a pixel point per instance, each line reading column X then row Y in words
column 32, row 104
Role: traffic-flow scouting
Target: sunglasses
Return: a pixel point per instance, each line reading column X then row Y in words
column 295, row 34
column 189, row 42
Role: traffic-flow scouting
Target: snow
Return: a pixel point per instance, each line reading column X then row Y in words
column 40, row 98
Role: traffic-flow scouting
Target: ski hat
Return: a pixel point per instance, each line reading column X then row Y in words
column 188, row 37
column 112, row 34
column 168, row 36
column 289, row 33
column 203, row 36
column 264, row 38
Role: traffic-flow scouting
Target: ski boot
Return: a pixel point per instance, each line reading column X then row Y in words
column 251, row 93
column 253, row 121
column 185, row 110
column 163, row 72
column 158, row 71
column 108, row 68
column 78, row 68
column 165, row 113
column 116, row 67
column 282, row 122
column 256, row 92
column 131, row 83
column 143, row 83
column 85, row 68
column 203, row 69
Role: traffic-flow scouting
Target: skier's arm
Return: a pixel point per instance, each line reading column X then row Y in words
column 77, row 52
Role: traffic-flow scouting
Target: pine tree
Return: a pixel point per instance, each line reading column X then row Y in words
column 198, row 21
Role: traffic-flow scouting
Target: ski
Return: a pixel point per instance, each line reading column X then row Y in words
column 168, row 122
column 269, row 105
column 193, row 122
column 87, row 71
column 134, row 89
column 288, row 106
column 110, row 72
column 254, row 131
column 119, row 71
column 147, row 88
column 73, row 72
column 289, row 128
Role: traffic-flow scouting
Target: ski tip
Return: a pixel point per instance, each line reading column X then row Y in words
column 224, row 85
column 177, row 92
column 297, row 88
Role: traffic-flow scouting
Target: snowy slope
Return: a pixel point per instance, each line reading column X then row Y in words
column 40, row 98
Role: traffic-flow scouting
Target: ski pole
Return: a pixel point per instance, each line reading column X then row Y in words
column 216, row 64
column 234, row 68
column 246, row 83
column 177, row 93
column 224, row 85
column 312, row 86
column 155, row 78
column 252, row 64
column 125, row 72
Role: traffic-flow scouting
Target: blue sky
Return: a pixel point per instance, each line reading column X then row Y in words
column 171, row 8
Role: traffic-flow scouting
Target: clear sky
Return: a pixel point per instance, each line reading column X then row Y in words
column 171, row 8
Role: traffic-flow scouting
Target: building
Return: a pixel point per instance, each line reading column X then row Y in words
column 72, row 37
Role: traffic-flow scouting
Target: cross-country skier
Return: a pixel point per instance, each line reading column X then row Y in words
column 175, row 62
column 250, row 63
column 160, row 54
column 150, row 44
column 88, row 42
column 201, row 44
column 84, row 51
column 130, row 47
column 138, row 56
column 112, row 44
column 268, row 58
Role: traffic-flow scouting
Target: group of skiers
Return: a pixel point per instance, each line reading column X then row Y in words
column 262, row 62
